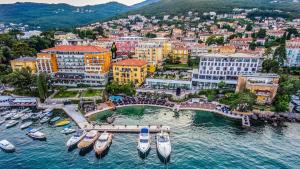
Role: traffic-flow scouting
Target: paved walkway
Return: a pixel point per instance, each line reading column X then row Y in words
column 129, row 128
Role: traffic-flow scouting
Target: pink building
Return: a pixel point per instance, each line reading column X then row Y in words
column 126, row 45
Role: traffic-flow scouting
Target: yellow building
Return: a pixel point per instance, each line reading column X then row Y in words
column 150, row 52
column 180, row 54
column 264, row 86
column 24, row 62
column 130, row 70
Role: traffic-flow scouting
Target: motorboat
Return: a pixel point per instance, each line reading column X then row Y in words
column 45, row 119
column 73, row 141
column 27, row 116
column 36, row 134
column 34, row 116
column 11, row 123
column 26, row 124
column 144, row 141
column 2, row 121
column 163, row 144
column 103, row 143
column 62, row 123
column 8, row 116
column 17, row 116
column 68, row 130
column 7, row 146
column 88, row 140
column 54, row 119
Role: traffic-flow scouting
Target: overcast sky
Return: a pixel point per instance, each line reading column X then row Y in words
column 74, row 2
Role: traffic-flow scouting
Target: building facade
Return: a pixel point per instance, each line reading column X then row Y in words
column 293, row 53
column 215, row 67
column 24, row 62
column 126, row 45
column 130, row 71
column 264, row 86
column 76, row 65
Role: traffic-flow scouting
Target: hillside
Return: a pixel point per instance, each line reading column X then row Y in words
column 179, row 7
column 62, row 15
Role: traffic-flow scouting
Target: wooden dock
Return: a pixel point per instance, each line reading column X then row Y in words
column 128, row 128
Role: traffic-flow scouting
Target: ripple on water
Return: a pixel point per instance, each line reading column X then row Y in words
column 199, row 140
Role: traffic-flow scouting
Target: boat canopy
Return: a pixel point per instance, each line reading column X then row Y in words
column 144, row 130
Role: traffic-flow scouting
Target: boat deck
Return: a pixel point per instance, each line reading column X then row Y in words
column 128, row 128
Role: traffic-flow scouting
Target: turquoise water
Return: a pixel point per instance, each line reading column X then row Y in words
column 199, row 140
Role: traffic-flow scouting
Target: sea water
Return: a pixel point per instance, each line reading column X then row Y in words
column 199, row 140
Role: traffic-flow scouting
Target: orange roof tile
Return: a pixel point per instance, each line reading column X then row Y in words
column 131, row 62
column 66, row 48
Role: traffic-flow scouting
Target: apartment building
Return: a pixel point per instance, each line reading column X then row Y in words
column 293, row 53
column 180, row 53
column 263, row 85
column 126, row 45
column 130, row 71
column 24, row 62
column 150, row 52
column 76, row 65
column 216, row 67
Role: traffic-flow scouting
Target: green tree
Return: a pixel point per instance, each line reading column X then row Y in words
column 5, row 54
column 252, row 45
column 22, row 80
column 242, row 101
column 261, row 33
column 42, row 85
column 291, row 31
column 151, row 35
column 270, row 66
column 281, row 103
column 249, row 27
column 22, row 49
column 280, row 54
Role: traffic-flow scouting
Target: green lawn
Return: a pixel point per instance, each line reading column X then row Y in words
column 65, row 94
column 91, row 93
column 177, row 66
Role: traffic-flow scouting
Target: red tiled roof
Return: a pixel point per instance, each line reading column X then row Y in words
column 131, row 62
column 66, row 48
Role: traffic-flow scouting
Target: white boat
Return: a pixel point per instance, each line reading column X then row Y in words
column 25, row 125
column 88, row 140
column 163, row 146
column 7, row 146
column 26, row 116
column 103, row 143
column 2, row 121
column 68, row 131
column 79, row 135
column 17, row 116
column 44, row 120
column 8, row 116
column 11, row 123
column 35, row 134
column 144, row 141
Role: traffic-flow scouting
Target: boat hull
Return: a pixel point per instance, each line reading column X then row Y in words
column 102, row 151
column 162, row 158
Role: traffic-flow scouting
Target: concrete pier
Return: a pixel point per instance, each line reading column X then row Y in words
column 128, row 128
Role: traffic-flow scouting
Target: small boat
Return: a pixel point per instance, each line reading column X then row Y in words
column 103, row 143
column 26, row 124
column 11, row 123
column 163, row 146
column 62, row 123
column 26, row 117
column 7, row 146
column 75, row 138
column 44, row 120
column 88, row 140
column 68, row 130
column 17, row 116
column 2, row 121
column 8, row 116
column 54, row 119
column 36, row 134
column 34, row 116
column 144, row 141
column 41, row 115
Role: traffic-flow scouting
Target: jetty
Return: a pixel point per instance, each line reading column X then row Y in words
column 129, row 128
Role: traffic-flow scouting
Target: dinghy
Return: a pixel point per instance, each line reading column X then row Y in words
column 54, row 119
column 25, row 125
column 7, row 146
column 68, row 130
column 26, row 117
column 17, row 116
column 36, row 134
column 62, row 123
column 44, row 120
column 11, row 123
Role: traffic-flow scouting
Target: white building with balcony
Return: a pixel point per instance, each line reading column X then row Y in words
column 215, row 67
